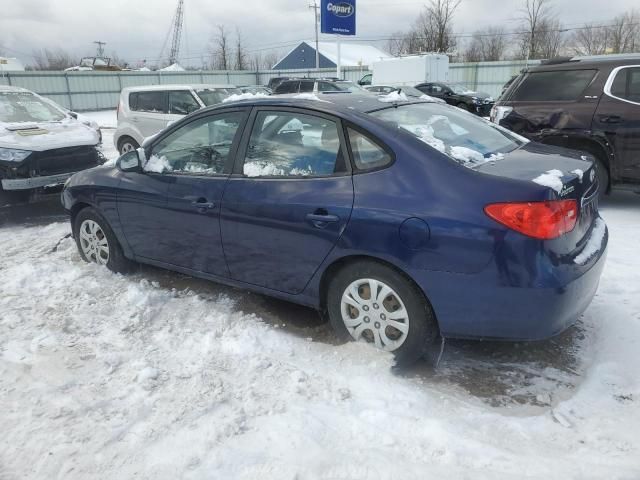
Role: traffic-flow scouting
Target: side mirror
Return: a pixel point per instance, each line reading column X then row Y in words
column 131, row 161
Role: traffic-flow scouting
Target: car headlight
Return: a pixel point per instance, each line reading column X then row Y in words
column 12, row 155
column 476, row 100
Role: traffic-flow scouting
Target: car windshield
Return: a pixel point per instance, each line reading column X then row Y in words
column 351, row 87
column 213, row 96
column 469, row 140
column 461, row 89
column 27, row 107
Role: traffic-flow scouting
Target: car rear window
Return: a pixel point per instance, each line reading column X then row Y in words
column 465, row 138
column 148, row 101
column 556, row 86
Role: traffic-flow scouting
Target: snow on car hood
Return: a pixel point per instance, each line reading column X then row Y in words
column 40, row 136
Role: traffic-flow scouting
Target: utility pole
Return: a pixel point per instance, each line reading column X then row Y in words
column 316, row 16
column 100, row 48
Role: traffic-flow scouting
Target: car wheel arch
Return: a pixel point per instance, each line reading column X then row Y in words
column 342, row 262
column 598, row 147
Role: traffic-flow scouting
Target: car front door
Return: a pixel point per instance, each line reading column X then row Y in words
column 618, row 115
column 289, row 199
column 193, row 164
column 150, row 112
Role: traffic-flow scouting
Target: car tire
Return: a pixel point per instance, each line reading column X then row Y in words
column 353, row 316
column 463, row 106
column 127, row 144
column 97, row 243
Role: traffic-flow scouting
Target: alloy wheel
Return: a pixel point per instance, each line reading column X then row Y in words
column 93, row 242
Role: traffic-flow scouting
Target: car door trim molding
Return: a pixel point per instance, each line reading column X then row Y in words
column 609, row 83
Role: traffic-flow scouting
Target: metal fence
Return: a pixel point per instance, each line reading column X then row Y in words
column 83, row 91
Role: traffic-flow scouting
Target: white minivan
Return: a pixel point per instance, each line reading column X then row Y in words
column 144, row 111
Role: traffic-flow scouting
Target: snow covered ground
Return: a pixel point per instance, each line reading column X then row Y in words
column 159, row 376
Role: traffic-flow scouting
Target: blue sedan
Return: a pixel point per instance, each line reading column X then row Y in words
column 401, row 221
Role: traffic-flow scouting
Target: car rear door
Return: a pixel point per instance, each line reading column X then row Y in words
column 192, row 163
column 149, row 114
column 556, row 99
column 289, row 199
column 618, row 115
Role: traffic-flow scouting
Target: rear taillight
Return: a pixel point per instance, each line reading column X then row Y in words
column 543, row 220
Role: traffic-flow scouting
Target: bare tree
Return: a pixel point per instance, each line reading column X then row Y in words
column 549, row 38
column 486, row 45
column 52, row 59
column 240, row 54
column 270, row 59
column 534, row 13
column 591, row 40
column 433, row 30
column 220, row 50
column 624, row 34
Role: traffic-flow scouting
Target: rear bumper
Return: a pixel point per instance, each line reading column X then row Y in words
column 481, row 306
column 35, row 182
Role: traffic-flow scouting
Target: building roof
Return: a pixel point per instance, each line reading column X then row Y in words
column 351, row 54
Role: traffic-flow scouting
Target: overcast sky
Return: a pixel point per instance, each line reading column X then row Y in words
column 137, row 29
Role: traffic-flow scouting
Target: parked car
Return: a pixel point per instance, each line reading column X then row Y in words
column 41, row 145
column 399, row 221
column 410, row 92
column 275, row 81
column 459, row 96
column 144, row 111
column 366, row 79
column 590, row 104
column 255, row 89
column 313, row 85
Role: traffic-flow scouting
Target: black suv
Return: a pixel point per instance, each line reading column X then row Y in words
column 316, row 85
column 590, row 104
column 459, row 96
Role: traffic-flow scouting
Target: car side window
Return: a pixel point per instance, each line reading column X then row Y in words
column 367, row 154
column 287, row 87
column 181, row 102
column 200, row 147
column 435, row 88
column 626, row 85
column 153, row 102
column 558, row 86
column 306, row 86
column 133, row 100
column 327, row 87
column 292, row 144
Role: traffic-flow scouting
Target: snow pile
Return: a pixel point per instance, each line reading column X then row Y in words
column 155, row 376
column 472, row 158
column 551, row 179
column 309, row 96
column 243, row 96
column 262, row 168
column 394, row 96
column 579, row 173
column 594, row 243
column 157, row 165
column 429, row 98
